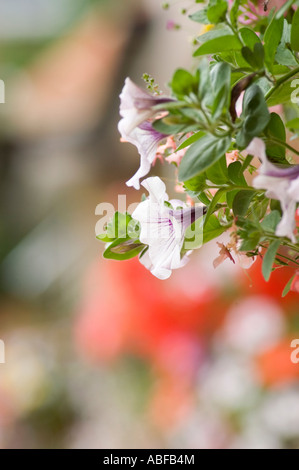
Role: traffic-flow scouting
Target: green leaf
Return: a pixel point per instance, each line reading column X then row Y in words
column 173, row 124
column 280, row 69
column 212, row 207
column 123, row 249
column 255, row 115
column 235, row 173
column 196, row 184
column 254, row 58
column 258, row 210
column 284, row 56
column 247, row 162
column 295, row 31
column 200, row 16
column 249, row 37
column 212, row 229
column 250, row 243
column 204, row 88
column 288, row 286
column 269, row 259
column 190, row 140
column 220, row 80
column 271, row 221
column 275, row 206
column 272, row 38
column 230, row 197
column 284, row 8
column 214, row 33
column 242, row 201
column 202, row 197
column 276, row 129
column 183, row 83
column 249, row 56
column 226, row 42
column 282, row 94
column 218, row 173
column 216, row 11
column 234, row 12
column 201, row 155
column 117, row 227
column 293, row 124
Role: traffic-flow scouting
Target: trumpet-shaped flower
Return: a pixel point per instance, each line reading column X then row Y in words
column 163, row 224
column 147, row 141
column 136, row 108
column 281, row 184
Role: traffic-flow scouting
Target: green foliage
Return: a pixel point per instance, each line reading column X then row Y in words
column 216, row 11
column 255, row 57
column 200, row 16
column 295, row 32
column 223, row 43
column 241, row 202
column 201, row 155
column 276, row 130
column 255, row 116
column 121, row 236
column 260, row 60
column 221, row 81
column 287, row 288
column 269, row 259
column 213, row 229
column 183, row 83
column 272, row 38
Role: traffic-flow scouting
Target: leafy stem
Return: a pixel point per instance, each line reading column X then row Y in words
column 235, row 31
column 284, row 241
column 280, row 81
column 283, row 144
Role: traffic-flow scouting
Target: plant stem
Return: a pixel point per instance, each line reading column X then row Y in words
column 170, row 105
column 283, row 144
column 282, row 256
column 286, row 257
column 280, row 81
column 235, row 31
column 284, row 241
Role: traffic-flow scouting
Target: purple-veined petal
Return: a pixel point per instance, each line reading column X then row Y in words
column 136, row 106
column 294, row 189
column 162, row 229
column 287, row 225
column 279, row 183
column 156, row 189
column 147, row 140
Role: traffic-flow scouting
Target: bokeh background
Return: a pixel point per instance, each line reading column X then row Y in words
column 100, row 354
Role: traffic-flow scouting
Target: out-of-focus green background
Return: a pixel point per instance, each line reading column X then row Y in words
column 100, row 354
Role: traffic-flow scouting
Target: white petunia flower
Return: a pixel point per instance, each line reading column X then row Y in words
column 147, row 141
column 136, row 108
column 163, row 225
column 281, row 184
